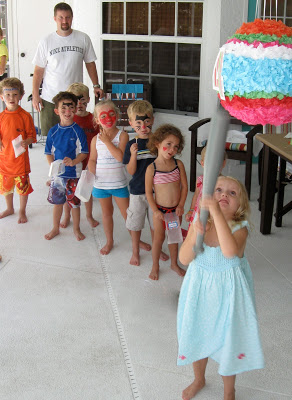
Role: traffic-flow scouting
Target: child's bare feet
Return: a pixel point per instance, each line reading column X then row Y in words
column 230, row 396
column 8, row 211
column 178, row 270
column 92, row 222
column 135, row 259
column 163, row 256
column 191, row 391
column 54, row 232
column 154, row 274
column 107, row 248
column 79, row 235
column 144, row 246
column 65, row 222
column 22, row 219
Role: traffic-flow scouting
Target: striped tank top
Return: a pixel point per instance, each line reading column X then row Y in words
column 166, row 177
column 110, row 173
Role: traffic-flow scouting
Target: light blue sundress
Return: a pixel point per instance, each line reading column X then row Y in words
column 216, row 313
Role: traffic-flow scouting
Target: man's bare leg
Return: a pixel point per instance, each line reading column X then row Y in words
column 9, row 206
column 57, row 214
column 67, row 215
column 76, row 224
column 199, row 381
column 88, row 207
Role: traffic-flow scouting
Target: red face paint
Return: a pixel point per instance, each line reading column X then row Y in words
column 164, row 148
column 107, row 118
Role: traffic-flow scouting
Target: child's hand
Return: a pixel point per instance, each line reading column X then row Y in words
column 68, row 162
column 24, row 143
column 188, row 215
column 104, row 137
column 209, row 203
column 179, row 211
column 134, row 149
column 159, row 215
column 198, row 226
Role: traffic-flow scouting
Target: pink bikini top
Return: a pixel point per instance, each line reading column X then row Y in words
column 166, row 177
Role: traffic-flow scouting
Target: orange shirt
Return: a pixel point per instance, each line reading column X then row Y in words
column 13, row 124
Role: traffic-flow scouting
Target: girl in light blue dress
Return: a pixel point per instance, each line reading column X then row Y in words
column 216, row 312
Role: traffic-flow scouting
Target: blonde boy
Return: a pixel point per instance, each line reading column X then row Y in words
column 137, row 157
column 14, row 167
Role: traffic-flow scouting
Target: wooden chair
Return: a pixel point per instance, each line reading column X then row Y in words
column 242, row 152
column 123, row 94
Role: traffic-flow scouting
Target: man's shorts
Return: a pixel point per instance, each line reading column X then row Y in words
column 105, row 193
column 48, row 117
column 22, row 184
column 137, row 211
column 62, row 190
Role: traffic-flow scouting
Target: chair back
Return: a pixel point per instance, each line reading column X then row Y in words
column 123, row 94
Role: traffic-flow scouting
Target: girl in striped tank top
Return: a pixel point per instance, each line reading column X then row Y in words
column 105, row 162
column 167, row 177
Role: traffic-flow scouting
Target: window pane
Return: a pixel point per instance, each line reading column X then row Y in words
column 112, row 17
column 190, row 19
column 280, row 7
column 188, row 95
column 110, row 78
column 114, row 55
column 162, row 18
column 138, row 57
column 137, row 18
column 163, row 58
column 162, row 93
column 189, row 59
column 289, row 22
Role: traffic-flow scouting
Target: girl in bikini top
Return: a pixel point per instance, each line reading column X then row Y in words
column 166, row 177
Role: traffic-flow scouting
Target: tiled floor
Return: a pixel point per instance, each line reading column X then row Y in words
column 78, row 326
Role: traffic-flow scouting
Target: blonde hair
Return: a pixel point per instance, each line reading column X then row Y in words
column 13, row 83
column 243, row 211
column 162, row 133
column 140, row 107
column 78, row 88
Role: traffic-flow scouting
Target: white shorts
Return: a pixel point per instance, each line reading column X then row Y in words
column 137, row 211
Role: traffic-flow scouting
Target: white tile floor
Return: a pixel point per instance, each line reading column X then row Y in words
column 75, row 325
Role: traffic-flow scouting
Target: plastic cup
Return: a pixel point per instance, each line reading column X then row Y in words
column 85, row 185
column 173, row 228
column 56, row 168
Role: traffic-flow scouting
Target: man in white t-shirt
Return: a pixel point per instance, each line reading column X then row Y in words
column 59, row 63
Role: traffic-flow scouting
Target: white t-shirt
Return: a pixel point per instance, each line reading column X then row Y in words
column 62, row 57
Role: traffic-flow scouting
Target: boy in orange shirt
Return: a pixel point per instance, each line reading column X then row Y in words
column 15, row 169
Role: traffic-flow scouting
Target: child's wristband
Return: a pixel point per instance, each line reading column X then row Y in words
column 191, row 210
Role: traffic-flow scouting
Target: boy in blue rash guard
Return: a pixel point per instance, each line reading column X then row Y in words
column 66, row 141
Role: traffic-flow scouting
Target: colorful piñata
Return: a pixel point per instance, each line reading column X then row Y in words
column 256, row 73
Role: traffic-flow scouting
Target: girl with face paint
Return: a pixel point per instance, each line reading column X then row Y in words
column 106, row 162
column 167, row 176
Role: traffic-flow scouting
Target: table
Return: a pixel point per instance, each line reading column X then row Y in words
column 275, row 145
